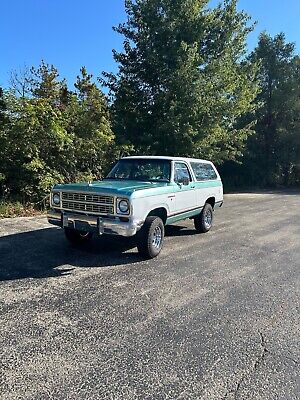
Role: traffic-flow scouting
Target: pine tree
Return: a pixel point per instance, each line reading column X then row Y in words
column 2, row 108
column 183, row 83
column 274, row 151
column 45, row 84
column 91, row 125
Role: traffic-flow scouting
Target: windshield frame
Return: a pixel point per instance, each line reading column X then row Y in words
column 145, row 160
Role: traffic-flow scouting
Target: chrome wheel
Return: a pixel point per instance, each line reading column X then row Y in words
column 203, row 221
column 208, row 218
column 151, row 237
column 157, row 237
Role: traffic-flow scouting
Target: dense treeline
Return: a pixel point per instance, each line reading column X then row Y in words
column 50, row 134
column 185, row 86
column 272, row 153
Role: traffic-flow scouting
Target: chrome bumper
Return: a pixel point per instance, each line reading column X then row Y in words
column 90, row 223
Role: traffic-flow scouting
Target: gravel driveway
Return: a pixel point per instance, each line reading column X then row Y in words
column 216, row 316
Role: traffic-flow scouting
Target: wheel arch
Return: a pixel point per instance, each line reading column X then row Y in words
column 211, row 201
column 160, row 212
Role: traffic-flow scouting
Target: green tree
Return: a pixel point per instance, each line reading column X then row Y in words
column 37, row 142
column 52, row 134
column 3, row 108
column 274, row 151
column 91, row 125
column 36, row 148
column 45, row 84
column 183, row 84
column 3, row 140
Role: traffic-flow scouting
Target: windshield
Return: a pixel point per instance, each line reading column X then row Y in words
column 140, row 169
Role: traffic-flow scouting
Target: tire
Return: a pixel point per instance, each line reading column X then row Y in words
column 151, row 236
column 203, row 222
column 77, row 238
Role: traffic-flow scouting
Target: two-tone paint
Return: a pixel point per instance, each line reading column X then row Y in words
column 171, row 201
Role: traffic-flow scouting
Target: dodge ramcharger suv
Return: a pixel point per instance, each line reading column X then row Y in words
column 140, row 196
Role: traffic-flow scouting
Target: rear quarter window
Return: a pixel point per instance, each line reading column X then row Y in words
column 203, row 172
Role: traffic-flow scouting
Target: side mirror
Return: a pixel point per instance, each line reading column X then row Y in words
column 183, row 181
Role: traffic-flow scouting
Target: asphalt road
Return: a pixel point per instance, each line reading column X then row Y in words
column 216, row 316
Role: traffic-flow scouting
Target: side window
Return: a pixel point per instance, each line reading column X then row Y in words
column 181, row 172
column 203, row 172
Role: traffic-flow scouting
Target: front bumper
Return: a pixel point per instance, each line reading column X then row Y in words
column 91, row 223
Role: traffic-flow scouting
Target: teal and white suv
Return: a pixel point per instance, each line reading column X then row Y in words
column 140, row 196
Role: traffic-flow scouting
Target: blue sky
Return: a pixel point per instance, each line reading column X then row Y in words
column 72, row 33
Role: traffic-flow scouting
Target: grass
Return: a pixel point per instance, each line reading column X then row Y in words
column 10, row 209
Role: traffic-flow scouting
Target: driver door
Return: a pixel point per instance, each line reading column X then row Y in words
column 185, row 193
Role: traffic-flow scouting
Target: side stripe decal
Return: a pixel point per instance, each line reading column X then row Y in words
column 185, row 211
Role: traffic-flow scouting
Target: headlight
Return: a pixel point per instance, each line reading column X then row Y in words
column 122, row 206
column 56, row 199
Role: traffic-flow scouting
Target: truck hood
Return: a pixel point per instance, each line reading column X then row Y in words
column 112, row 186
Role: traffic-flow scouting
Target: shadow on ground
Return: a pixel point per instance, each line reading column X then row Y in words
column 40, row 253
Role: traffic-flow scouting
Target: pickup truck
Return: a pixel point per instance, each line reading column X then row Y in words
column 140, row 196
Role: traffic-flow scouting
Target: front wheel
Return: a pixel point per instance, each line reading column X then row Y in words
column 203, row 221
column 151, row 236
column 77, row 238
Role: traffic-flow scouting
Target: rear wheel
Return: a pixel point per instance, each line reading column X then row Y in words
column 151, row 236
column 77, row 238
column 203, row 221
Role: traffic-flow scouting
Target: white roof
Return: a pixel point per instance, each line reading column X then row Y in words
column 168, row 158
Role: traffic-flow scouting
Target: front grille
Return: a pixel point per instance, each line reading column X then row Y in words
column 88, row 198
column 88, row 203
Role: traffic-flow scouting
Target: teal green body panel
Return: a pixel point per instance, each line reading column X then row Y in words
column 185, row 215
column 119, row 188
column 206, row 184
column 134, row 189
column 155, row 190
column 172, row 187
